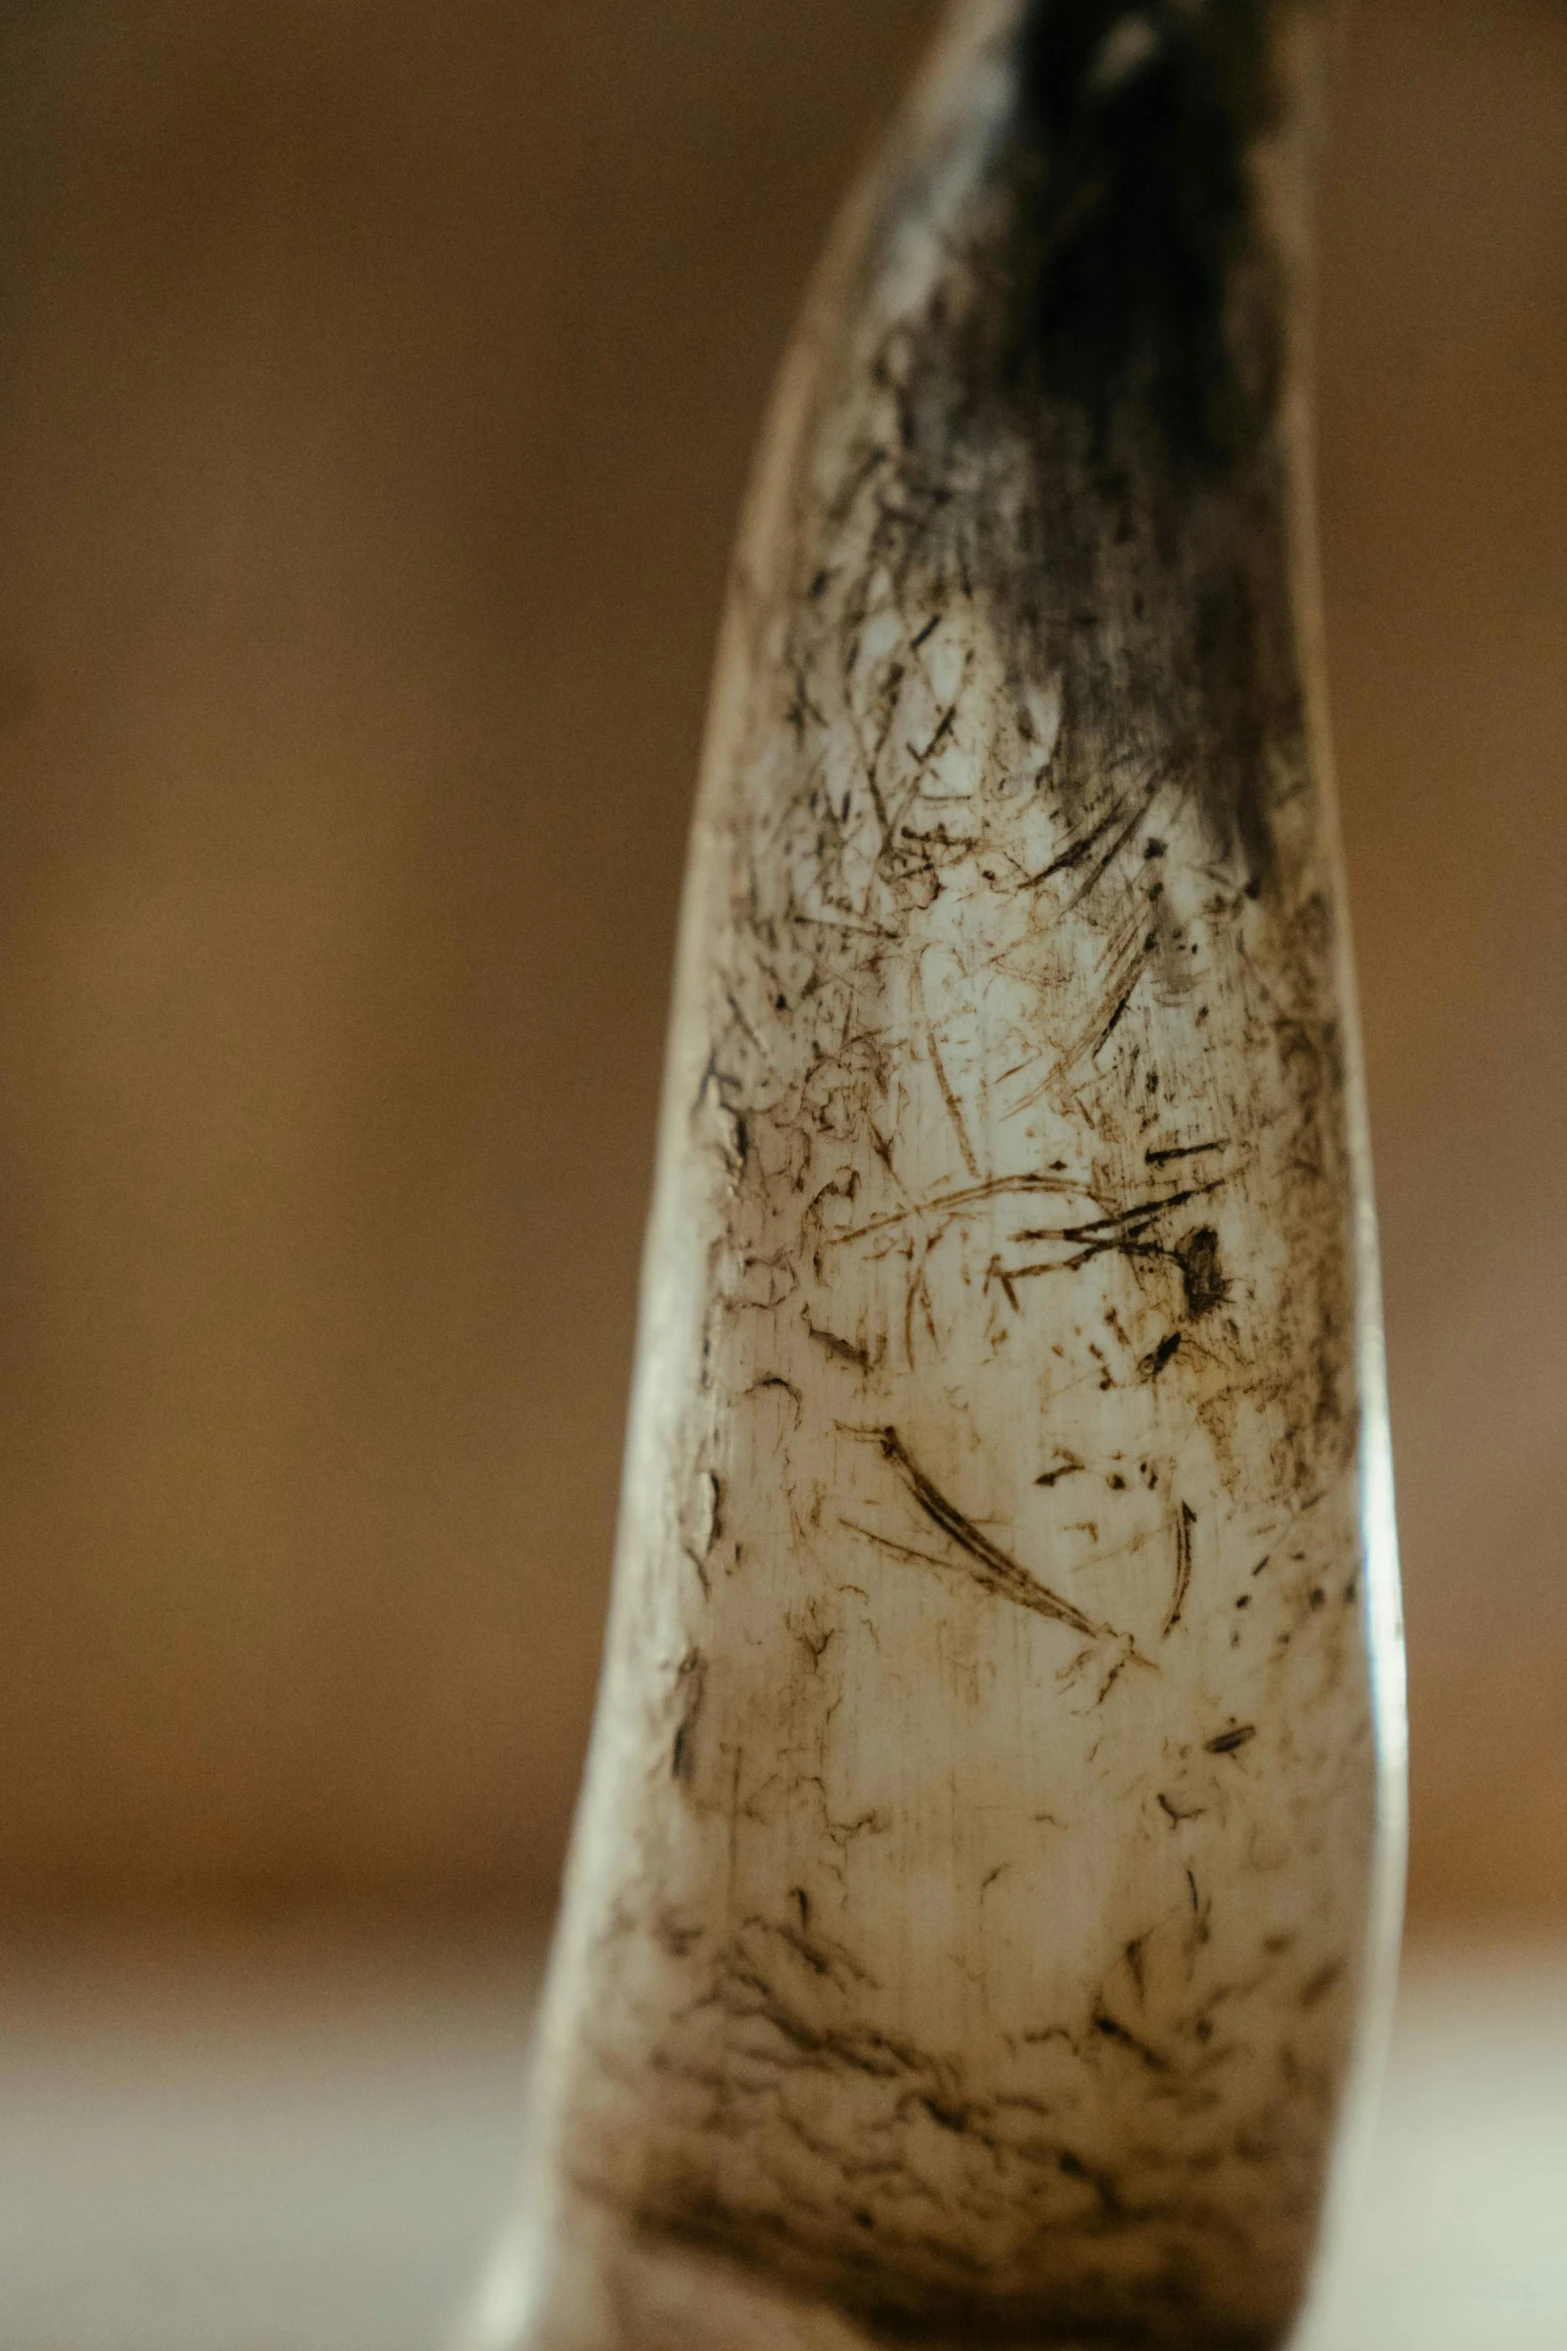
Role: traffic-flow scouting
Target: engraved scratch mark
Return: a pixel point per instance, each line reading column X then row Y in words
column 951, row 1204
column 1171, row 1151
column 1183, row 1567
column 994, row 1569
column 690, row 1690
column 1133, row 824
column 954, row 1112
column 917, row 1295
column 1079, row 849
column 1126, row 965
column 1129, row 1232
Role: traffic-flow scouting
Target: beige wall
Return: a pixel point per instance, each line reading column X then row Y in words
column 376, row 385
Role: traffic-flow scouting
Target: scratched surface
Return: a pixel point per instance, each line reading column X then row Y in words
column 298, row 2138
column 966, row 1920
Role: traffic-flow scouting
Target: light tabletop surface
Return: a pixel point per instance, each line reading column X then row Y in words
column 302, row 2141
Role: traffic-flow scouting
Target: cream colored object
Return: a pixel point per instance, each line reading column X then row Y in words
column 979, row 1874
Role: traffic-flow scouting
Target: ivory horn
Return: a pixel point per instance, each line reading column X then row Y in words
column 989, row 1858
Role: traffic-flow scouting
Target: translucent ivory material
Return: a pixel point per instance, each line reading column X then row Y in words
column 989, row 1854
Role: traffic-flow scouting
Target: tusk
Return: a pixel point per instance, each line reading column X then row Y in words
column 990, row 1845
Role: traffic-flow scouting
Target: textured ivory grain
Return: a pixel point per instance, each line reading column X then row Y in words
column 967, row 1922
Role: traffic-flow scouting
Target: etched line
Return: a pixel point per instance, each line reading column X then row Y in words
column 998, row 1571
column 1183, row 1567
column 954, row 1112
column 1172, row 1151
column 951, row 1204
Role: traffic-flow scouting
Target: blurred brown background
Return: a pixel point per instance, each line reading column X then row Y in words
column 377, row 383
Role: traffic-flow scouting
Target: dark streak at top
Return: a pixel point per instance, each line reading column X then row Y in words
column 1133, row 125
column 1127, row 326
